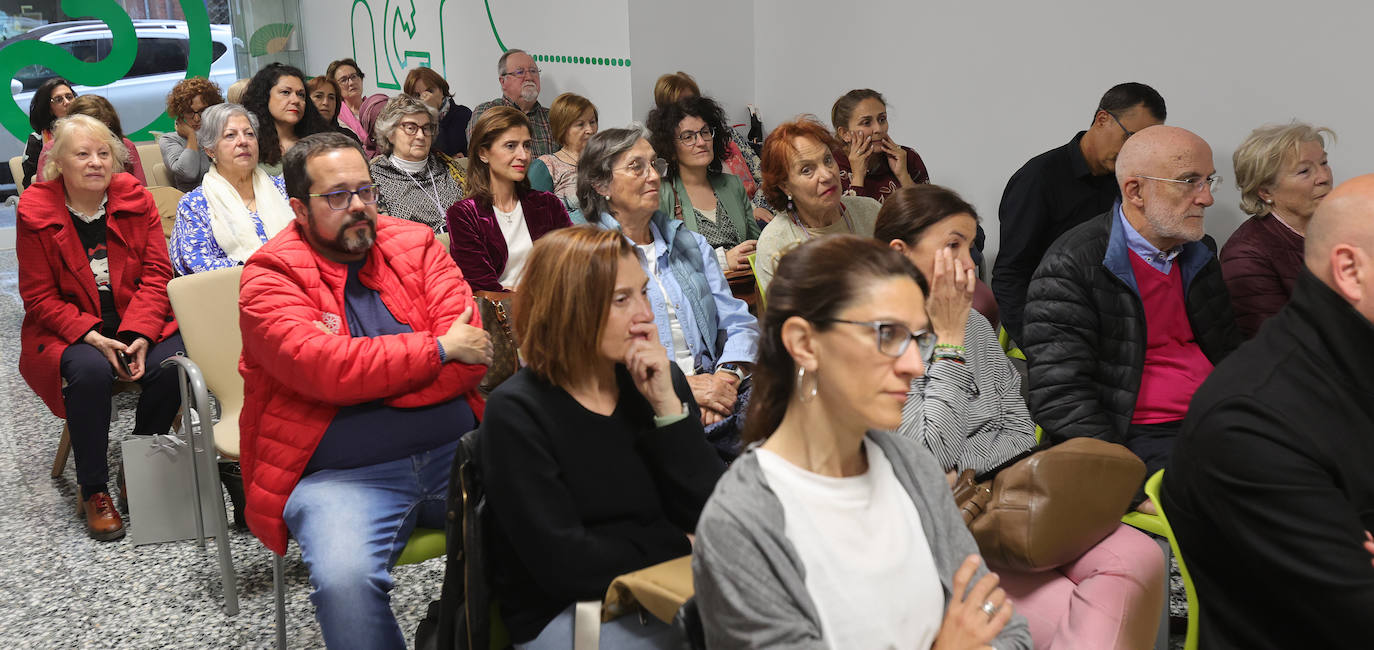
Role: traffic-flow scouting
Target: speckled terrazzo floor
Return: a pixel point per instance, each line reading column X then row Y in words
column 60, row 589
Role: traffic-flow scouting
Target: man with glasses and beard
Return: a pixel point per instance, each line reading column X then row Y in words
column 1127, row 314
column 519, row 79
column 362, row 350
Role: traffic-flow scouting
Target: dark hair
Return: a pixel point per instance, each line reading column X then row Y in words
column 778, row 150
column 255, row 99
column 40, row 109
column 910, row 210
column 492, row 123
column 1123, row 97
column 843, row 108
column 815, row 281
column 294, row 162
column 334, row 67
column 663, row 121
column 99, row 108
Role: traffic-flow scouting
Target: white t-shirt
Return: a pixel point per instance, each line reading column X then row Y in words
column 682, row 353
column 518, row 243
column 869, row 568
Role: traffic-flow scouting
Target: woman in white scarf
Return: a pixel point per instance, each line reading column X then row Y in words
column 238, row 207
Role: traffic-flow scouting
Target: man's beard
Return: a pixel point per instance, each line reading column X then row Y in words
column 346, row 241
column 529, row 92
column 1167, row 226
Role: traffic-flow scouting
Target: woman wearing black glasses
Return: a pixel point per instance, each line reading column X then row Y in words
column 414, row 180
column 830, row 532
column 697, row 190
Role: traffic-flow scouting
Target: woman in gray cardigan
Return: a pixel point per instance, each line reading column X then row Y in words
column 830, row 533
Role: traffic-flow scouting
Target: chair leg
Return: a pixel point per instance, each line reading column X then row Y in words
column 1162, row 641
column 279, row 587
column 64, row 449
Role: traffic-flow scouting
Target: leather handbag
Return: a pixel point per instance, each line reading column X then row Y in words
column 659, row 590
column 1049, row 505
column 495, row 308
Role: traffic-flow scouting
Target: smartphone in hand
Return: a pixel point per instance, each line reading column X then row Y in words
column 123, row 360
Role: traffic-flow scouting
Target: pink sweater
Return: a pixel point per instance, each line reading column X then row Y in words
column 1174, row 364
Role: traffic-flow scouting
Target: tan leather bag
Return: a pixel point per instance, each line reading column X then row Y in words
column 660, row 590
column 495, row 309
column 1040, row 511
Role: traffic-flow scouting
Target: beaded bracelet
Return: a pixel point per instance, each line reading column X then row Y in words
column 950, row 346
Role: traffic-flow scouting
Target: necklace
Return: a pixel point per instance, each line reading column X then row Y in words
column 806, row 234
column 557, row 154
column 508, row 217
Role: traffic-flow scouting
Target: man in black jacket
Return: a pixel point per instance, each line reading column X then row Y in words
column 1096, row 368
column 1270, row 490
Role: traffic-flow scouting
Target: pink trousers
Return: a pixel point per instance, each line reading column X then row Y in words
column 1110, row 597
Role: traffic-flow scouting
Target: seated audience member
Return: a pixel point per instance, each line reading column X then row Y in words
column 50, row 103
column 519, row 79
column 573, row 121
column 492, row 231
column 872, row 165
column 93, row 275
column 1128, row 312
column 276, row 95
column 740, row 159
column 429, row 87
column 801, row 177
column 1282, row 174
column 968, row 411
column 414, row 180
column 707, row 331
column 346, row 73
column 1269, row 491
column 324, row 94
column 833, row 533
column 696, row 190
column 101, row 109
column 352, row 411
column 238, row 207
column 186, row 162
column 593, row 453
column 1064, row 187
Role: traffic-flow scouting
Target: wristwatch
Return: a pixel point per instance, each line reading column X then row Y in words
column 732, row 368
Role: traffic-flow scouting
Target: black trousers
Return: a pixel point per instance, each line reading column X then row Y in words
column 1154, row 444
column 90, row 382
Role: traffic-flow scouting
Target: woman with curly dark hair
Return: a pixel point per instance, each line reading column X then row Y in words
column 691, row 134
column 49, row 103
column 181, row 152
column 276, row 95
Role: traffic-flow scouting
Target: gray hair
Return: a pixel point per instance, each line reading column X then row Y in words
column 64, row 130
column 390, row 117
column 501, row 62
column 596, row 167
column 214, row 119
column 1259, row 159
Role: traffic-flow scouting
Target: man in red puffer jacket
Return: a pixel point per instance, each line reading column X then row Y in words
column 362, row 351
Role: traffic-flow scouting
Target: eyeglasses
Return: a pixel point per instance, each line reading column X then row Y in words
column 411, row 128
column 520, row 72
column 638, row 168
column 688, row 137
column 894, row 338
column 350, row 78
column 339, row 200
column 1196, row 183
column 63, row 99
column 1127, row 131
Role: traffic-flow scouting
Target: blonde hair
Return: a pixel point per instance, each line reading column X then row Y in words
column 1259, row 159
column 235, row 93
column 65, row 130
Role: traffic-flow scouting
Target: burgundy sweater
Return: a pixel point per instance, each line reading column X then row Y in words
column 477, row 244
column 1260, row 263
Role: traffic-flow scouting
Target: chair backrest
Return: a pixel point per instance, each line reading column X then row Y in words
column 465, row 605
column 158, row 177
column 149, row 154
column 443, row 238
column 1152, row 487
column 17, row 170
column 167, row 199
column 207, row 310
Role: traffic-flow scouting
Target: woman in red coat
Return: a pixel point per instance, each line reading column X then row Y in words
column 93, row 272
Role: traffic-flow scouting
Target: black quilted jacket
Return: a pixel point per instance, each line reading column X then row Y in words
column 1084, row 334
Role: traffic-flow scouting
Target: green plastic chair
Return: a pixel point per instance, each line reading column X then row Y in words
column 1004, row 340
column 758, row 283
column 1159, row 525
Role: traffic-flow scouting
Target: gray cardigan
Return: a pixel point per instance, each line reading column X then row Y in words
column 750, row 582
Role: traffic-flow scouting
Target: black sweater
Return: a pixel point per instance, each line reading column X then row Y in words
column 1270, row 488
column 579, row 498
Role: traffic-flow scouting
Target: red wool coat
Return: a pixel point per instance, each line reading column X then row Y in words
column 61, row 303
column 296, row 376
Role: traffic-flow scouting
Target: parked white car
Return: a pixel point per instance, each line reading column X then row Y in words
column 163, row 48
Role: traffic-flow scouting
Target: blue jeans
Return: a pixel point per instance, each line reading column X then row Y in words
column 626, row 632
column 351, row 525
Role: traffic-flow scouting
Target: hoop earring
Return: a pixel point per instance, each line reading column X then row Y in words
column 802, row 395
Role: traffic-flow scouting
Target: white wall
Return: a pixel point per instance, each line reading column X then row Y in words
column 713, row 40
column 978, row 88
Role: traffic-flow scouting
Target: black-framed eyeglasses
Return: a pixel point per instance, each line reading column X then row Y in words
column 894, row 338
column 1116, row 119
column 62, row 99
column 412, row 128
column 520, row 72
column 339, row 200
column 1195, row 184
column 688, row 137
column 356, row 76
column 638, row 168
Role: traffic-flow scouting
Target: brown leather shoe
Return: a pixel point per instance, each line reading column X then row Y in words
column 102, row 519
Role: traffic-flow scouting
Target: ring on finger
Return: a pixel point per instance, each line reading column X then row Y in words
column 989, row 608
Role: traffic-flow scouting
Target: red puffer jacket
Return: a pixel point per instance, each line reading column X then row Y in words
column 61, row 302
column 296, row 376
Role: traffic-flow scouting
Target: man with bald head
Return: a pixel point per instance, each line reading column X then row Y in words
column 1127, row 313
column 1271, row 487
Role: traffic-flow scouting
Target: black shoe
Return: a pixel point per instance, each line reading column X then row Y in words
column 232, row 477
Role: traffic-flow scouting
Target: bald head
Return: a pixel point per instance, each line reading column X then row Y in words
column 1340, row 242
column 1161, row 172
column 1150, row 152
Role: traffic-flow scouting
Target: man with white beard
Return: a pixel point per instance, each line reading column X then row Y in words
column 519, row 79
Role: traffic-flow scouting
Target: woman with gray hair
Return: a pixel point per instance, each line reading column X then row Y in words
column 1283, row 175
column 237, row 207
column 707, row 332
column 414, row 180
